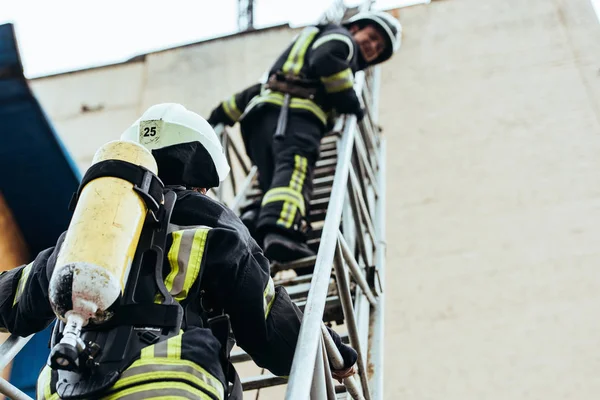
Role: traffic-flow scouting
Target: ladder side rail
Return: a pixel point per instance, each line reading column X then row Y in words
column 300, row 379
column 376, row 344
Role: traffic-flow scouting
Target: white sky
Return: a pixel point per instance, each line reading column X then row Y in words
column 64, row 35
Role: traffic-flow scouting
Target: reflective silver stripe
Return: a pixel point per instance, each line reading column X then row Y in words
column 22, row 281
column 170, row 348
column 162, row 362
column 160, row 390
column 185, row 370
column 174, row 227
column 185, row 257
column 336, row 36
column 268, row 297
column 339, row 81
column 161, row 349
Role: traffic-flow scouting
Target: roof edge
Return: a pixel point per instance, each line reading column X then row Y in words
column 142, row 57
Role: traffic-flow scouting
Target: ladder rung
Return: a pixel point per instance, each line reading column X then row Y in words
column 330, row 137
column 325, row 171
column 317, row 214
column 315, row 233
column 239, row 356
column 322, row 192
column 319, row 204
column 296, row 280
column 329, row 153
column 300, row 292
column 326, row 163
column 333, row 308
column 321, row 182
column 262, row 381
column 301, row 263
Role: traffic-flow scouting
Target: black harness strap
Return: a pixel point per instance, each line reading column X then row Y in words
column 147, row 185
column 155, row 315
column 220, row 328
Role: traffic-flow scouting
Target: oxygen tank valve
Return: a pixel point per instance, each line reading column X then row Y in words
column 65, row 355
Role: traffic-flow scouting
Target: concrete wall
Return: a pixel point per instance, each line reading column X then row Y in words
column 493, row 126
column 491, row 113
column 198, row 76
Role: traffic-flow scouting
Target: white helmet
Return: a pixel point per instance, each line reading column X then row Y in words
column 168, row 124
column 387, row 24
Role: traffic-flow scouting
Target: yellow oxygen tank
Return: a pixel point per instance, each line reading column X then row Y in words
column 93, row 263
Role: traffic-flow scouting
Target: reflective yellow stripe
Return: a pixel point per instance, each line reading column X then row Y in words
column 338, row 82
column 174, row 347
column 43, row 389
column 295, row 59
column 169, row 369
column 284, row 194
column 147, row 352
column 288, row 211
column 231, row 109
column 335, row 36
column 268, row 297
column 173, row 259
column 160, row 390
column 309, row 105
column 194, row 263
column 170, row 348
column 162, row 361
column 22, row 281
column 185, row 259
column 276, row 98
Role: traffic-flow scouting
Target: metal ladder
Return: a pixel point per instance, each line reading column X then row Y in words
column 347, row 213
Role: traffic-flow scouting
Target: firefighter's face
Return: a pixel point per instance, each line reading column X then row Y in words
column 370, row 41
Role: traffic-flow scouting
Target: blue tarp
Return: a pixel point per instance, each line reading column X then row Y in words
column 37, row 179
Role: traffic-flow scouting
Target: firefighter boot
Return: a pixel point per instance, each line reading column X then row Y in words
column 283, row 249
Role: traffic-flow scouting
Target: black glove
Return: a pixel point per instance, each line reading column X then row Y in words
column 348, row 353
column 218, row 116
column 360, row 114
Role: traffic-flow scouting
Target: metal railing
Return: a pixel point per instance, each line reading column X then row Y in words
column 354, row 246
column 8, row 350
column 348, row 206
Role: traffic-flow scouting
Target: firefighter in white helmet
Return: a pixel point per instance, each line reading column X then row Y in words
column 212, row 267
column 283, row 121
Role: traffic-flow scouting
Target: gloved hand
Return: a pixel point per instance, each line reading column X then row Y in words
column 360, row 114
column 349, row 355
column 218, row 116
column 214, row 119
column 340, row 375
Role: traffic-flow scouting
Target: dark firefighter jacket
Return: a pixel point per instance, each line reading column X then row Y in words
column 209, row 250
column 325, row 54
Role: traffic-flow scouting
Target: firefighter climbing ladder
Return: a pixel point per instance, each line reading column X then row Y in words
column 347, row 214
column 347, row 217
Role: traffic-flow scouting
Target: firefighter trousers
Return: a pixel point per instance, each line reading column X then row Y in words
column 285, row 166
